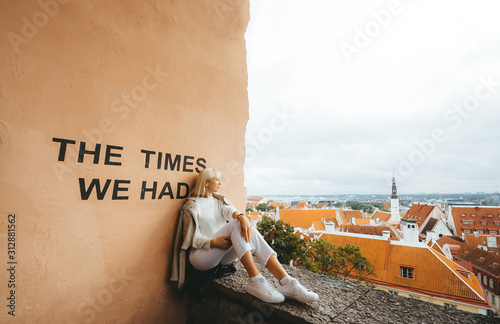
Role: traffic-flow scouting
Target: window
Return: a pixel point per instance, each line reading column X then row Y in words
column 479, row 231
column 484, row 223
column 490, row 215
column 493, row 232
column 466, row 231
column 485, row 280
column 463, row 215
column 479, row 276
column 467, row 222
column 473, row 215
column 407, row 272
column 497, row 223
column 491, row 283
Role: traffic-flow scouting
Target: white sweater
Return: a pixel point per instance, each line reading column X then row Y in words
column 212, row 215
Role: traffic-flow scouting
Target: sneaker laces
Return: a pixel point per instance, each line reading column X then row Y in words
column 297, row 284
column 267, row 286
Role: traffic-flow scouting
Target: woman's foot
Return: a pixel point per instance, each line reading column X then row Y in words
column 263, row 290
column 291, row 288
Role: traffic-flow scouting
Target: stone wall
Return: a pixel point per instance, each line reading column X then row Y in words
column 340, row 302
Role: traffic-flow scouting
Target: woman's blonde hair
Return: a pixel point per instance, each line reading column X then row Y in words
column 204, row 176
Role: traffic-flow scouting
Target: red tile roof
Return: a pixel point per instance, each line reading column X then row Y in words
column 304, row 218
column 280, row 204
column 419, row 213
column 471, row 240
column 481, row 260
column 434, row 274
column 348, row 215
column 481, row 217
column 318, row 226
column 368, row 230
column 383, row 216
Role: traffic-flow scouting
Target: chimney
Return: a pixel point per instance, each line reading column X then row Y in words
column 386, row 234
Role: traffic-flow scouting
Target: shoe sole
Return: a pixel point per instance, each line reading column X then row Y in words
column 267, row 301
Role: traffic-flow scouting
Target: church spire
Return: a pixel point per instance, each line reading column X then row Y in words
column 394, row 189
column 394, row 201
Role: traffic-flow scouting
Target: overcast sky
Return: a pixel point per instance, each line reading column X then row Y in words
column 343, row 93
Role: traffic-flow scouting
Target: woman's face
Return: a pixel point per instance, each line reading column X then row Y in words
column 213, row 185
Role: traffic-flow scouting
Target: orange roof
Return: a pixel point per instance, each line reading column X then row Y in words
column 277, row 203
column 348, row 215
column 368, row 230
column 471, row 240
column 303, row 236
column 490, row 262
column 419, row 213
column 301, row 205
column 387, row 206
column 254, row 215
column 434, row 274
column 318, row 226
column 383, row 216
column 305, row 217
column 482, row 218
column 362, row 221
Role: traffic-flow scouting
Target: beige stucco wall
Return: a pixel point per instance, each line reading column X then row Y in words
column 132, row 75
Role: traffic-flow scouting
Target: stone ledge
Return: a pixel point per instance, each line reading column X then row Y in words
column 340, row 302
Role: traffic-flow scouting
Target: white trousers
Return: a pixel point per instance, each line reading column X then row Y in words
column 204, row 260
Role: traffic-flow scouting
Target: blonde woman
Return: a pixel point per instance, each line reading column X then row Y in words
column 211, row 231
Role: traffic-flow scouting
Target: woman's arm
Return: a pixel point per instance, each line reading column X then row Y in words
column 245, row 226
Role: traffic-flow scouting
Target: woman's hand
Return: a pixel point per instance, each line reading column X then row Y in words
column 246, row 228
column 222, row 242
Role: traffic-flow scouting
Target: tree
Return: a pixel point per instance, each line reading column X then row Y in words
column 264, row 207
column 336, row 261
column 318, row 256
column 356, row 205
column 282, row 239
column 249, row 209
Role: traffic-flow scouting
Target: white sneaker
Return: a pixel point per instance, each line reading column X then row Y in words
column 294, row 290
column 264, row 291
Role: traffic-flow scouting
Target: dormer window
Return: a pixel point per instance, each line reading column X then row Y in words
column 490, row 215
column 484, row 223
column 466, row 252
column 481, row 259
column 497, row 223
column 473, row 215
column 464, row 273
column 485, row 280
column 494, row 264
column 463, row 215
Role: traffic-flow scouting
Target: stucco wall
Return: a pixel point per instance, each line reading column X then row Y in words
column 162, row 76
